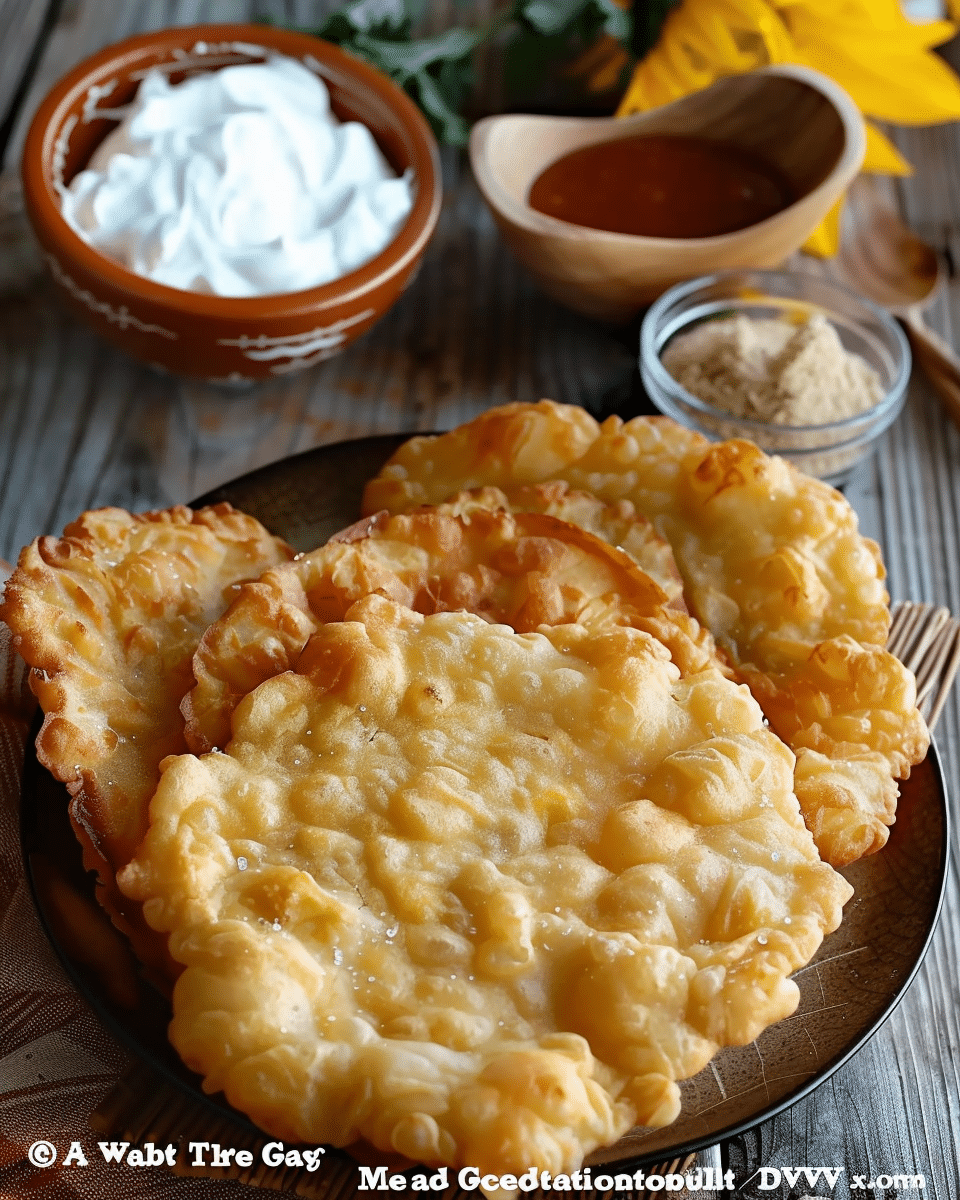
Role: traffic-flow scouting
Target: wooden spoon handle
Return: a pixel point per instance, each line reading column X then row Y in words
column 939, row 360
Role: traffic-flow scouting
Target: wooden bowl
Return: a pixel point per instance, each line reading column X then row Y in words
column 223, row 338
column 797, row 119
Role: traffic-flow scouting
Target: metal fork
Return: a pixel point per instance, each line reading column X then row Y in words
column 926, row 638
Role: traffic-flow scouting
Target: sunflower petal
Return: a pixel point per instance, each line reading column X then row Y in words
column 883, row 59
column 885, row 81
column 882, row 157
column 825, row 239
column 700, row 43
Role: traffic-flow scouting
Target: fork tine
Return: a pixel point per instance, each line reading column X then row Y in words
column 916, row 631
column 946, row 680
column 931, row 665
column 926, row 639
column 903, row 620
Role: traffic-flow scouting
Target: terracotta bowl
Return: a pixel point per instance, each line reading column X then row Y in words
column 797, row 119
column 223, row 338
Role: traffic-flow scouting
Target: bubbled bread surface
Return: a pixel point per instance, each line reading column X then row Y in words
column 477, row 896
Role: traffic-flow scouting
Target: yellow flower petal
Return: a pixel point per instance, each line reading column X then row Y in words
column 825, row 239
column 869, row 47
column 882, row 157
column 701, row 42
column 847, row 22
column 887, row 82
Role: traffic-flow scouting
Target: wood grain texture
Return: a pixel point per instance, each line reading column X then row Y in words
column 81, row 425
column 21, row 25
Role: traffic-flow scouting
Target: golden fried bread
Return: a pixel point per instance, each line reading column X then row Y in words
column 108, row 617
column 849, row 713
column 619, row 524
column 511, row 445
column 523, row 569
column 613, row 460
column 772, row 559
column 476, row 896
column 773, row 564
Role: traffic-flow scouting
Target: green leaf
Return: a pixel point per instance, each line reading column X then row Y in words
column 336, row 28
column 438, row 71
column 367, row 15
column 533, row 60
column 448, row 124
column 403, row 59
column 617, row 21
column 551, row 16
column 455, row 80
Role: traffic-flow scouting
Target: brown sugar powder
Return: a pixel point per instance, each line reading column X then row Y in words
column 770, row 370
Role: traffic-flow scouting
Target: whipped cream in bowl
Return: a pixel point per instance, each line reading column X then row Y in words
column 230, row 202
column 238, row 182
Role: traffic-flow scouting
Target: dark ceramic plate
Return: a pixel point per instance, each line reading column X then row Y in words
column 846, row 993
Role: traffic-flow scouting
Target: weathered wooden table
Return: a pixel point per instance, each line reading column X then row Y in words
column 83, row 426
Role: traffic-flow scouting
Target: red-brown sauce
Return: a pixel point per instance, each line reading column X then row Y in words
column 661, row 186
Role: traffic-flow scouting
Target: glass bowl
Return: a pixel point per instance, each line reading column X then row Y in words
column 828, row 451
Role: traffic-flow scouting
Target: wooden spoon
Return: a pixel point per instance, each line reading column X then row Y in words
column 883, row 260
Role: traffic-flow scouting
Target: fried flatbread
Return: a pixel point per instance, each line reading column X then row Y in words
column 773, row 564
column 479, row 897
column 109, row 616
column 508, row 446
column 525, row 570
column 619, row 524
